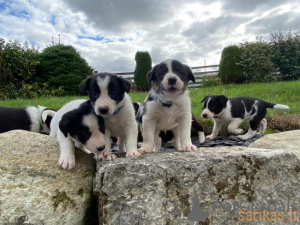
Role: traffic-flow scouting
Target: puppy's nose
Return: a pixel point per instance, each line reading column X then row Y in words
column 204, row 115
column 101, row 148
column 103, row 110
column 172, row 80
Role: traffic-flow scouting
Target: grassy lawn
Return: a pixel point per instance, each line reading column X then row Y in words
column 287, row 93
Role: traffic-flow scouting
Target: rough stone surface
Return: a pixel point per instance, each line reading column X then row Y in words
column 289, row 140
column 34, row 190
column 164, row 187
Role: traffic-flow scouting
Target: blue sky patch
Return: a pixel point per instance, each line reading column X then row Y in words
column 96, row 38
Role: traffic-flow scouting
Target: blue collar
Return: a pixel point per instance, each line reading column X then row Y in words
column 119, row 109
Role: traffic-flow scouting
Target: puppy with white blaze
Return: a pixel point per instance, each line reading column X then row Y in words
column 236, row 110
column 77, row 123
column 167, row 107
column 108, row 95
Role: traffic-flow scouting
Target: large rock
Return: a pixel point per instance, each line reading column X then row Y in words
column 289, row 140
column 34, row 190
column 167, row 187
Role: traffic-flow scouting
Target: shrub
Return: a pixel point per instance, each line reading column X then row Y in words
column 143, row 66
column 17, row 62
column 286, row 55
column 62, row 66
column 210, row 81
column 256, row 61
column 229, row 70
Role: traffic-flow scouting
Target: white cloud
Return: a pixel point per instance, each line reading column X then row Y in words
column 108, row 33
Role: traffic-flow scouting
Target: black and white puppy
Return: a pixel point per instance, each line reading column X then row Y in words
column 167, row 107
column 108, row 95
column 35, row 119
column 77, row 123
column 235, row 111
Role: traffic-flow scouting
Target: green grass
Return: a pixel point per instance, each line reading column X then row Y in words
column 276, row 92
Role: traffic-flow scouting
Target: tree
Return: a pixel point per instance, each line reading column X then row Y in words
column 229, row 70
column 256, row 61
column 143, row 66
column 17, row 62
column 62, row 66
column 286, row 55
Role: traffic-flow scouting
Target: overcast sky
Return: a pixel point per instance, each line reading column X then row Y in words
column 108, row 33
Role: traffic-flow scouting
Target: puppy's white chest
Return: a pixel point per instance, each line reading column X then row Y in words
column 168, row 118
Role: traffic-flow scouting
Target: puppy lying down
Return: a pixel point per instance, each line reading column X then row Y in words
column 236, row 110
column 77, row 123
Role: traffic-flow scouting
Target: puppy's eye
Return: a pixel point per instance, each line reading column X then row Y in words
column 113, row 94
column 94, row 94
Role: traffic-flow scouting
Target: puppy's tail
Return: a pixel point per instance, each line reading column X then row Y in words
column 276, row 106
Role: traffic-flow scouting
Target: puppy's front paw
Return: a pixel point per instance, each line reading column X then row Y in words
column 67, row 162
column 133, row 154
column 239, row 131
column 106, row 156
column 145, row 149
column 210, row 137
column 189, row 148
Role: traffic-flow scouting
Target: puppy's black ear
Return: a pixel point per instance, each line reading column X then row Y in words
column 65, row 122
column 190, row 74
column 223, row 100
column 205, row 98
column 85, row 86
column 125, row 83
column 150, row 76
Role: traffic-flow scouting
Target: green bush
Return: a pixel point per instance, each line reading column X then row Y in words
column 62, row 66
column 210, row 81
column 256, row 61
column 229, row 70
column 25, row 90
column 286, row 54
column 143, row 66
column 17, row 62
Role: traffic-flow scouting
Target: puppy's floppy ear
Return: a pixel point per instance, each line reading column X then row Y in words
column 65, row 122
column 47, row 113
column 85, row 85
column 223, row 100
column 190, row 74
column 205, row 98
column 150, row 76
column 125, row 83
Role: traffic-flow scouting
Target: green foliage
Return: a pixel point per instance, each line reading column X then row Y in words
column 143, row 66
column 17, row 62
column 210, row 81
column 26, row 90
column 287, row 54
column 256, row 61
column 62, row 66
column 229, row 70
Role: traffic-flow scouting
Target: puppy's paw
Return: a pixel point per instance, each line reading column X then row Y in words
column 243, row 137
column 139, row 144
column 145, row 149
column 239, row 131
column 133, row 154
column 201, row 137
column 106, row 156
column 189, row 148
column 210, row 137
column 67, row 162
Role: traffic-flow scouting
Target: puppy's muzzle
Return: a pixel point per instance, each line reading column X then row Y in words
column 103, row 110
column 172, row 80
column 101, row 148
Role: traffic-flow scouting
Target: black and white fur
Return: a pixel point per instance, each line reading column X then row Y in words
column 77, row 123
column 235, row 111
column 35, row 119
column 108, row 95
column 167, row 107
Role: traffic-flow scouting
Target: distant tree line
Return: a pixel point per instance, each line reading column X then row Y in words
column 262, row 61
column 25, row 73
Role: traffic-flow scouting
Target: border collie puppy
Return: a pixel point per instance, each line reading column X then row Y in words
column 168, row 135
column 167, row 107
column 235, row 111
column 108, row 95
column 35, row 119
column 77, row 123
